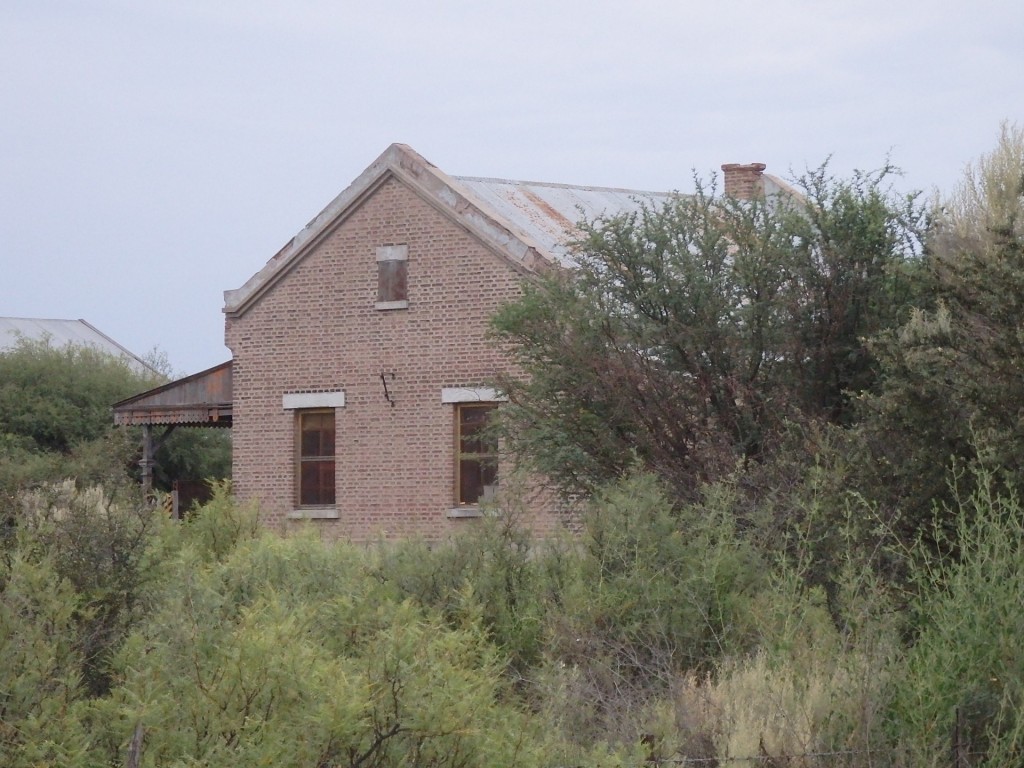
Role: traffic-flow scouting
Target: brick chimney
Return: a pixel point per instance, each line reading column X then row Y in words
column 743, row 182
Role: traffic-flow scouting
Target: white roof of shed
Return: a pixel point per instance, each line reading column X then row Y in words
column 61, row 333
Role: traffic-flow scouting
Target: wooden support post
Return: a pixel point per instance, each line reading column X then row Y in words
column 147, row 460
column 149, row 449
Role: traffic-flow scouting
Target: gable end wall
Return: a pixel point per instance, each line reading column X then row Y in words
column 316, row 330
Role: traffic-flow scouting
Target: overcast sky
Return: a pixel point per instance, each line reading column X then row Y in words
column 154, row 153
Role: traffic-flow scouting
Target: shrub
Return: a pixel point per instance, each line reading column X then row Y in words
column 966, row 665
column 496, row 571
column 108, row 550
column 657, row 591
column 40, row 677
column 290, row 651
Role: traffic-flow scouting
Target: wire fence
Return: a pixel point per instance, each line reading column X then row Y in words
column 826, row 759
column 830, row 759
column 960, row 756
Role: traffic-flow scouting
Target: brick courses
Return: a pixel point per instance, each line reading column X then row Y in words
column 743, row 181
column 316, row 329
column 309, row 322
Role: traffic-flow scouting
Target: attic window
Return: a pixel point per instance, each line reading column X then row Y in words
column 392, row 277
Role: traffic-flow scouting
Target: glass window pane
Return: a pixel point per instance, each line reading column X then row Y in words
column 317, row 483
column 316, row 470
column 327, row 482
column 473, row 423
column 470, row 485
column 317, row 434
column 478, row 448
column 327, row 438
column 310, row 442
column 488, row 472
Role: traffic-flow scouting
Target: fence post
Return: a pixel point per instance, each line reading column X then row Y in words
column 134, row 759
column 960, row 758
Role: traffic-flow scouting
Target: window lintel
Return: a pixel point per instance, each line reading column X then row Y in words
column 471, row 395
column 295, row 401
column 393, row 253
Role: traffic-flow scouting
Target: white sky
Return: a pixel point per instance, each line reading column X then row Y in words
column 154, row 153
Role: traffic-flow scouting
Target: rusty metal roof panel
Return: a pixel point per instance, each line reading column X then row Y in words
column 547, row 214
column 202, row 398
column 61, row 333
column 526, row 222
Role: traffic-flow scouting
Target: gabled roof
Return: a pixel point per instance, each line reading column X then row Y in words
column 774, row 186
column 61, row 333
column 528, row 223
column 202, row 399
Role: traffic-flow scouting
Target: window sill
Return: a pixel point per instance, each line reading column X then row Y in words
column 314, row 513
column 385, row 305
column 461, row 512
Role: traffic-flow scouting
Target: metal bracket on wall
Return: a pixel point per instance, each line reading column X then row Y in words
column 384, row 376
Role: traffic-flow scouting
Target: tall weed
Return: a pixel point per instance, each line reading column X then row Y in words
column 963, row 685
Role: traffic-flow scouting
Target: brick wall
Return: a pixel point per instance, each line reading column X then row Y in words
column 743, row 181
column 317, row 329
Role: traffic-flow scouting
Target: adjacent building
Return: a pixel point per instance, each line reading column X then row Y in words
column 60, row 333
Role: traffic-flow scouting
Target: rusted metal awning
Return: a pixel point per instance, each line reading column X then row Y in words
column 200, row 400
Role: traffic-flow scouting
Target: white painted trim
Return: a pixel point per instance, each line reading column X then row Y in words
column 393, row 253
column 298, row 400
column 400, row 304
column 314, row 513
column 471, row 395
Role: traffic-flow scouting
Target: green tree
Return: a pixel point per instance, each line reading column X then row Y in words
column 55, row 421
column 655, row 592
column 953, row 373
column 59, row 397
column 108, row 550
column 687, row 337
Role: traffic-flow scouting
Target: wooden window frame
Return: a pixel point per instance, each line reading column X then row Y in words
column 462, row 500
column 392, row 277
column 301, row 458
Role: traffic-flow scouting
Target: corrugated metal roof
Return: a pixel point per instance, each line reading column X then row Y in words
column 202, row 399
column 60, row 333
column 547, row 214
column 527, row 222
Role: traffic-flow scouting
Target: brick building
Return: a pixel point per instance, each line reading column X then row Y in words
column 361, row 376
